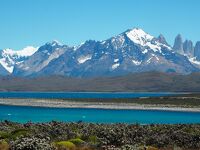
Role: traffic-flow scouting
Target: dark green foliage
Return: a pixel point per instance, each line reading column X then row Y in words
column 93, row 139
column 65, row 145
column 97, row 136
column 13, row 134
column 19, row 133
column 77, row 141
column 4, row 135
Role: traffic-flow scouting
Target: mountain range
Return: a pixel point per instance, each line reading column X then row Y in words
column 132, row 51
column 137, row 82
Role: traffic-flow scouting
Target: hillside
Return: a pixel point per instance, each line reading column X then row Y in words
column 148, row 82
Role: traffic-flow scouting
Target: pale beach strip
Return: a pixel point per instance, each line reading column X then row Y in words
column 96, row 105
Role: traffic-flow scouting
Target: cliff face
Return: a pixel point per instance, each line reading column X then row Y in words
column 197, row 51
column 188, row 48
column 178, row 44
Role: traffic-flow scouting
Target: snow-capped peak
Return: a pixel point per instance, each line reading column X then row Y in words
column 54, row 43
column 27, row 51
column 139, row 36
column 11, row 57
column 77, row 47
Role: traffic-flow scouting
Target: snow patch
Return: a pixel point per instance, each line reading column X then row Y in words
column 6, row 65
column 194, row 61
column 103, row 42
column 118, row 41
column 137, row 62
column 11, row 57
column 155, row 48
column 115, row 66
column 138, row 36
column 121, row 40
column 19, row 62
column 149, row 60
column 142, row 38
column 116, row 60
column 83, row 59
column 145, row 51
column 27, row 51
column 77, row 47
column 153, row 56
column 54, row 43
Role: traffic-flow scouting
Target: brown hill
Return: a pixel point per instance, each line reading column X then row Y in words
column 146, row 82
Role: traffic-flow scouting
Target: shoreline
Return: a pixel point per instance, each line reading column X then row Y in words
column 46, row 103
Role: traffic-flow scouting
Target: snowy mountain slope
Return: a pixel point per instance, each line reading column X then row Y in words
column 138, row 36
column 194, row 61
column 44, row 55
column 9, row 57
column 129, row 52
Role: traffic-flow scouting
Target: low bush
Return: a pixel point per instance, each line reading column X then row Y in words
column 14, row 134
column 93, row 139
column 151, row 148
column 65, row 145
column 19, row 133
column 77, row 141
column 4, row 135
column 30, row 143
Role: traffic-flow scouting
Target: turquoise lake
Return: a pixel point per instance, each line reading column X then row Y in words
column 38, row 114
column 63, row 95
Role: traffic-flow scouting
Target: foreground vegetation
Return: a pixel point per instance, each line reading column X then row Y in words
column 88, row 136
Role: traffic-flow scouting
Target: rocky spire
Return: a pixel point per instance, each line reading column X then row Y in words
column 197, row 51
column 178, row 44
column 188, row 48
column 162, row 39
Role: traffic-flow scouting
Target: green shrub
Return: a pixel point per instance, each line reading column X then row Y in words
column 151, row 148
column 19, row 133
column 14, row 134
column 4, row 135
column 65, row 145
column 93, row 139
column 77, row 141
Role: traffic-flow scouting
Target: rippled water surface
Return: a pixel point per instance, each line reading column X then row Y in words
column 38, row 114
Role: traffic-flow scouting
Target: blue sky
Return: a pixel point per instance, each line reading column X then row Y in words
column 35, row 22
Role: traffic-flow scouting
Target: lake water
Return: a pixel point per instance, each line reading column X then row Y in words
column 37, row 114
column 63, row 95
